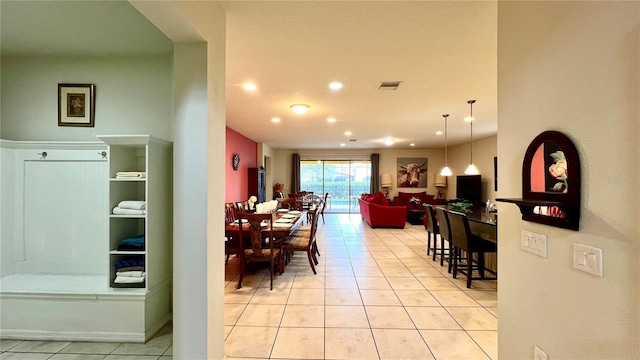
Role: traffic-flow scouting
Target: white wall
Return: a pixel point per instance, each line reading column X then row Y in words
column 572, row 67
column 484, row 150
column 133, row 96
column 7, row 207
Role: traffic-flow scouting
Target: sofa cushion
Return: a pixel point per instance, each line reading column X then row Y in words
column 379, row 198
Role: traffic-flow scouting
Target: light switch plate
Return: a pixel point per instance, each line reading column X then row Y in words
column 534, row 243
column 588, row 259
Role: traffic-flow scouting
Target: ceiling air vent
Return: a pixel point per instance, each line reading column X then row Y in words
column 353, row 140
column 389, row 85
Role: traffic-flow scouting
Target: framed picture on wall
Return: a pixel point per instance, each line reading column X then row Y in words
column 412, row 172
column 76, row 105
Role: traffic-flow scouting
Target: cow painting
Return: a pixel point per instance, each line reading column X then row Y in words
column 410, row 172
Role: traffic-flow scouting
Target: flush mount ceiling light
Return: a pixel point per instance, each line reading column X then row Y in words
column 343, row 144
column 249, row 87
column 300, row 108
column 388, row 141
column 445, row 170
column 471, row 169
column 412, row 144
column 438, row 133
column 331, row 120
column 336, row 85
column 275, row 120
column 348, row 133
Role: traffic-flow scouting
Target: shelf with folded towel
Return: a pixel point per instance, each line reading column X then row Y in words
column 128, row 179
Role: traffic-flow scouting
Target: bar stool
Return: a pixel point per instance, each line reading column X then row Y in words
column 433, row 228
column 463, row 239
column 445, row 234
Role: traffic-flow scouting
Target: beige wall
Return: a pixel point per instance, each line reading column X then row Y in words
column 484, row 150
column 571, row 67
column 388, row 163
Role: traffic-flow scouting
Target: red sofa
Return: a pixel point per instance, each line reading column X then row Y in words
column 405, row 199
column 376, row 211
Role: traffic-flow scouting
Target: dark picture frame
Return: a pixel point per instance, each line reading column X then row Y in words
column 76, row 105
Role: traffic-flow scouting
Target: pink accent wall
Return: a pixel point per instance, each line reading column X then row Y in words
column 236, row 181
column 538, row 170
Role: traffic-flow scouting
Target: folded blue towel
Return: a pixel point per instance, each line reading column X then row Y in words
column 129, row 263
column 133, row 243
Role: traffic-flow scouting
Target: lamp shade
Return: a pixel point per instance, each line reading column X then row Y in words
column 440, row 181
column 386, row 180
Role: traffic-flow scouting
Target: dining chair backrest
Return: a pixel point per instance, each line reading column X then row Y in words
column 255, row 229
column 286, row 203
column 239, row 207
column 298, row 203
column 460, row 230
column 432, row 222
column 314, row 213
column 230, row 212
column 443, row 223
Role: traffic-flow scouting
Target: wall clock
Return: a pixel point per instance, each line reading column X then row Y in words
column 236, row 161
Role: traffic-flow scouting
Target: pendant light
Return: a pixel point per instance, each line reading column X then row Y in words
column 471, row 169
column 445, row 170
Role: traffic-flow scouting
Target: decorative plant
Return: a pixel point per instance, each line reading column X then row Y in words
column 559, row 171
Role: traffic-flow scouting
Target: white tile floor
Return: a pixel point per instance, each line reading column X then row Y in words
column 376, row 296
column 157, row 348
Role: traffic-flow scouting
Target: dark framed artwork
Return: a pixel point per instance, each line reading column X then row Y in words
column 412, row 172
column 76, row 105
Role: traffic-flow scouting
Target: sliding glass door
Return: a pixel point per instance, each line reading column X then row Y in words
column 344, row 180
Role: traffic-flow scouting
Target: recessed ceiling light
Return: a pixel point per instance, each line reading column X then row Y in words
column 438, row 133
column 275, row 120
column 300, row 108
column 348, row 133
column 412, row 144
column 388, row 141
column 343, row 144
column 250, row 87
column 335, row 85
column 331, row 120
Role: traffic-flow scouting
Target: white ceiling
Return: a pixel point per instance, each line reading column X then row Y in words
column 443, row 52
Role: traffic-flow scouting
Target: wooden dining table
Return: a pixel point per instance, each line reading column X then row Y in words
column 279, row 231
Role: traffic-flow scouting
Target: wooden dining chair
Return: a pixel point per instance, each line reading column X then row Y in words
column 324, row 205
column 445, row 234
column 304, row 241
column 231, row 243
column 463, row 239
column 239, row 206
column 264, row 247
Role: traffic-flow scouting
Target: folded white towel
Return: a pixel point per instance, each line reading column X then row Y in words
column 133, row 174
column 132, row 204
column 128, row 280
column 131, row 273
column 120, row 211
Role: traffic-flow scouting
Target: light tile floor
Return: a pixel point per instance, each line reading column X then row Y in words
column 159, row 347
column 377, row 295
